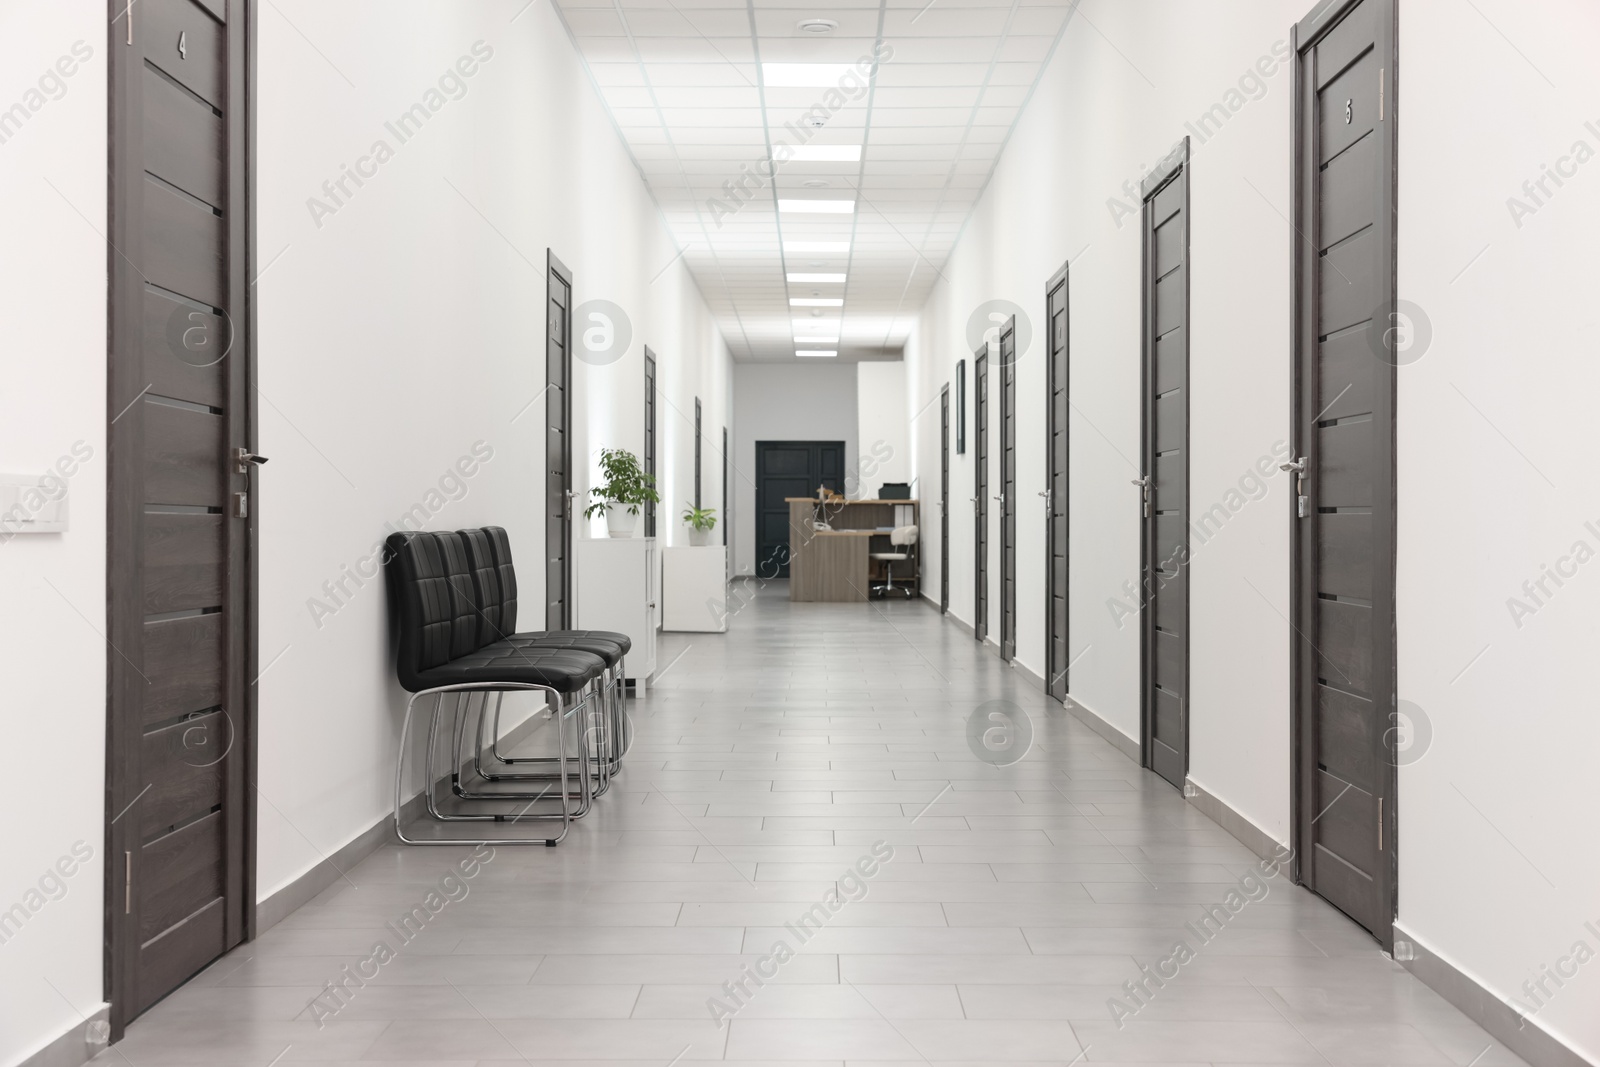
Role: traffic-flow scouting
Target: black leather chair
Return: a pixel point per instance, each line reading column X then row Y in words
column 444, row 648
column 495, row 592
column 490, row 552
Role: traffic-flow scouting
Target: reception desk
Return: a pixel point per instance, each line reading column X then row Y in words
column 836, row 564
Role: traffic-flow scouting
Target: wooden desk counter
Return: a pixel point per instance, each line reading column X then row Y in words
column 835, row 565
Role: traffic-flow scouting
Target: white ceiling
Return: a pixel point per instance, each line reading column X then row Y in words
column 684, row 83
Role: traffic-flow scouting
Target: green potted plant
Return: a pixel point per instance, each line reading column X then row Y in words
column 625, row 489
column 701, row 521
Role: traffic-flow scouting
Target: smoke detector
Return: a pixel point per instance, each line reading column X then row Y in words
column 814, row 183
column 817, row 26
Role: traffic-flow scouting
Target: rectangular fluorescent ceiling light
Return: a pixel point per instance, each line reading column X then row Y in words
column 824, row 153
column 804, row 75
column 795, row 276
column 817, row 207
column 815, row 302
column 816, row 246
column 817, row 353
column 819, row 339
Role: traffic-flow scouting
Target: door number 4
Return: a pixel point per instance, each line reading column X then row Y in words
column 183, row 47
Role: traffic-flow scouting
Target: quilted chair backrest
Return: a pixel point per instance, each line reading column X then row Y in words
column 467, row 626
column 426, row 602
column 486, row 586
column 501, row 544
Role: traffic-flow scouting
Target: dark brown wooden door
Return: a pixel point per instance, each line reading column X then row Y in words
column 727, row 505
column 1055, row 494
column 649, row 458
column 1165, row 488
column 699, row 437
column 980, row 500
column 1345, row 426
column 558, row 447
column 944, row 499
column 1007, row 499
column 181, row 629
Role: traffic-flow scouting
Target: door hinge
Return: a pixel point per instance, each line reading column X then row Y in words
column 1380, row 94
column 241, row 505
column 127, row 883
column 1380, row 824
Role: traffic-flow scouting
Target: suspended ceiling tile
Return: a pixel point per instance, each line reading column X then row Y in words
column 685, row 88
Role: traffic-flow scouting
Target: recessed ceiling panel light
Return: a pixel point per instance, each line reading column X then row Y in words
column 803, row 75
column 801, row 277
column 825, row 153
column 792, row 247
column 819, row 339
column 816, row 353
column 815, row 302
column 817, row 207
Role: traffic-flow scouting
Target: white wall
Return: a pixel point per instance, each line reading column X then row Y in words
column 400, row 331
column 52, row 411
column 1498, row 870
column 1094, row 124
column 883, row 432
column 785, row 402
column 408, row 326
column 1491, row 874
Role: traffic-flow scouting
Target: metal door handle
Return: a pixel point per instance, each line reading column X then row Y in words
column 1301, row 501
column 244, row 459
column 1144, row 485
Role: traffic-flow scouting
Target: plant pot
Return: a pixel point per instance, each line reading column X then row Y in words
column 620, row 522
column 699, row 538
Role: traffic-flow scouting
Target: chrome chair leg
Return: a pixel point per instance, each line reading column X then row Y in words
column 564, row 815
column 595, row 693
column 561, row 713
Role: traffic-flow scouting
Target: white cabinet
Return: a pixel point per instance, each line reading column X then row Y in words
column 616, row 585
column 694, row 589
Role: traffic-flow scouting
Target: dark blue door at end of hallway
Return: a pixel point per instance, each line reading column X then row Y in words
column 787, row 469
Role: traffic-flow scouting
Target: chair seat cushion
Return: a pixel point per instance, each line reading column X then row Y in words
column 565, row 670
column 604, row 635
column 618, row 645
column 610, row 651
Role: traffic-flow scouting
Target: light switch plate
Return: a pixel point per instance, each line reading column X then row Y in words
column 28, row 504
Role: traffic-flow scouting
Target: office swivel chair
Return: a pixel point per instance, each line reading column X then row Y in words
column 902, row 537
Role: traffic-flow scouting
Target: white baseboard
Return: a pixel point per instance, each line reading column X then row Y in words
column 1128, row 746
column 1520, row 1033
column 1248, row 833
column 80, row 1044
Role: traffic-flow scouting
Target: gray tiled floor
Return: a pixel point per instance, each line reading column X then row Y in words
column 768, row 761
